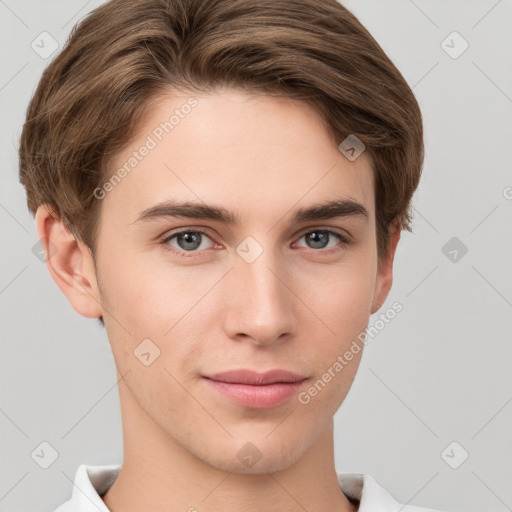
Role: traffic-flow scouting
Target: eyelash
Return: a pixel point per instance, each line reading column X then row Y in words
column 164, row 241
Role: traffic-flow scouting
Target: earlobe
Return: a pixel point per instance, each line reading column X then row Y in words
column 69, row 262
column 385, row 273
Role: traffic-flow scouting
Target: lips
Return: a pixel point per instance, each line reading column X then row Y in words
column 253, row 378
column 255, row 390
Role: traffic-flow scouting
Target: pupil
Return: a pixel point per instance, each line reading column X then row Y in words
column 190, row 238
column 319, row 239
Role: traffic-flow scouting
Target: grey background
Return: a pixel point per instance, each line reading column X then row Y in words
column 438, row 373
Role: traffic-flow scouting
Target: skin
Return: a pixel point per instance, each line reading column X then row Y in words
column 296, row 307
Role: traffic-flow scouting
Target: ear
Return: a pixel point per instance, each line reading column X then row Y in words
column 69, row 262
column 385, row 271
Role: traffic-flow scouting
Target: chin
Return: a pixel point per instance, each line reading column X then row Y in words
column 255, row 458
column 262, row 467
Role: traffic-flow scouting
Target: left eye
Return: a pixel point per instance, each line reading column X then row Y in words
column 320, row 238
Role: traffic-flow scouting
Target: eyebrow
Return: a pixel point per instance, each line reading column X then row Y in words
column 193, row 210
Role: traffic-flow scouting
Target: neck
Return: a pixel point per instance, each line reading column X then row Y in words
column 158, row 474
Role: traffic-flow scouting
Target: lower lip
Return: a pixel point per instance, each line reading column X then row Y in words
column 257, row 397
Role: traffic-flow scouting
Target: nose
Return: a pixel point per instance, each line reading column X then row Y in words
column 260, row 305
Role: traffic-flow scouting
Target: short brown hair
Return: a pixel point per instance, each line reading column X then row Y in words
column 93, row 95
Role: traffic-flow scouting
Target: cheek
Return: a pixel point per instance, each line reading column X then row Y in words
column 141, row 291
column 156, row 303
column 341, row 304
column 341, row 296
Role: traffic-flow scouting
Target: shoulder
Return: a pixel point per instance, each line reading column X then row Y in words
column 372, row 497
column 90, row 483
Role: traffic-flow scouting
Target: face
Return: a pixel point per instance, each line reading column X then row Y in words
column 185, row 297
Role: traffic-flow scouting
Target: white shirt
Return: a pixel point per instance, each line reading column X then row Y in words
column 91, row 482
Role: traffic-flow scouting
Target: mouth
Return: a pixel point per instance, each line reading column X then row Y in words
column 256, row 390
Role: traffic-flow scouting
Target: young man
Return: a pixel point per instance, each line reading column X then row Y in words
column 223, row 184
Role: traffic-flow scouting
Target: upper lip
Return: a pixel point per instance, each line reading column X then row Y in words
column 243, row 376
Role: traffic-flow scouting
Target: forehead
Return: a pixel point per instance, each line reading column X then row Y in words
column 257, row 154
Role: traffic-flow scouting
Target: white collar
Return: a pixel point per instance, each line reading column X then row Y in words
column 91, row 482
